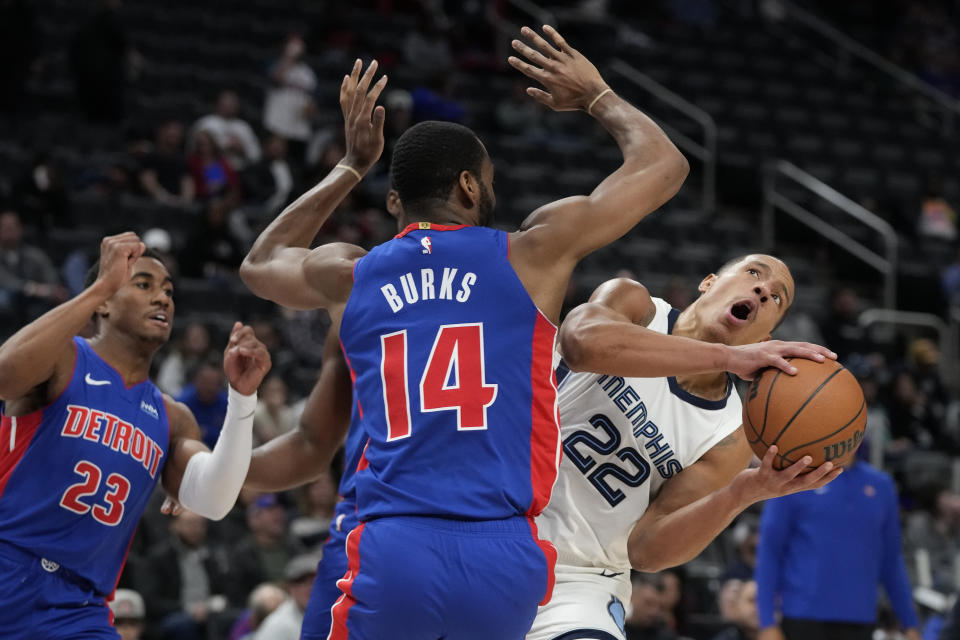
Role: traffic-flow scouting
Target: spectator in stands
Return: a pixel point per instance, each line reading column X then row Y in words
column 213, row 250
column 192, row 349
column 672, row 596
column 263, row 601
column 950, row 281
column 207, row 399
column 742, row 614
column 930, row 538
column 269, row 182
column 213, row 177
column 263, row 554
column 285, row 622
column 233, row 135
column 164, row 174
column 518, row 115
column 20, row 40
column 937, row 219
column 274, row 415
column 290, row 107
column 128, row 613
column 436, row 101
column 159, row 241
column 102, row 58
column 911, row 419
column 727, row 599
column 924, row 366
column 185, row 579
column 29, row 285
column 316, row 504
column 840, row 327
column 745, row 540
column 646, row 621
column 41, row 193
column 427, row 51
column 823, row 553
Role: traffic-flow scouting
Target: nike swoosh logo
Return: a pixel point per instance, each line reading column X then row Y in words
column 610, row 575
column 96, row 383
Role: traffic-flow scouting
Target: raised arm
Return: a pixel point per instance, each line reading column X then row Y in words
column 703, row 499
column 208, row 482
column 42, row 352
column 559, row 234
column 302, row 455
column 280, row 266
column 608, row 335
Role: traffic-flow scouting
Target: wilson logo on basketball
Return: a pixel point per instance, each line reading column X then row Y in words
column 840, row 449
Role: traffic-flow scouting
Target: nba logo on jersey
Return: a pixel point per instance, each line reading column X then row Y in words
column 425, row 241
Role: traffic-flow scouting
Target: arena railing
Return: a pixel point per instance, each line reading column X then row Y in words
column 910, row 319
column 847, row 48
column 774, row 200
column 705, row 152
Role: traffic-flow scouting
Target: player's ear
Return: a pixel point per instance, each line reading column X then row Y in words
column 469, row 189
column 706, row 283
column 103, row 309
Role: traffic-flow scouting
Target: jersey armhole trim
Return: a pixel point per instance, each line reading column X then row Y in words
column 73, row 372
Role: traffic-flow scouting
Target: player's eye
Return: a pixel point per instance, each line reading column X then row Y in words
column 776, row 298
column 143, row 285
column 169, row 292
column 754, row 272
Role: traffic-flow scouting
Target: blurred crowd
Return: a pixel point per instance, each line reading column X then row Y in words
column 229, row 172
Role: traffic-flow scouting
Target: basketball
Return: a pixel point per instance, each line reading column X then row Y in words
column 819, row 412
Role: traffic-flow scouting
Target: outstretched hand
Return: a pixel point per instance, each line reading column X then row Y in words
column 117, row 256
column 362, row 121
column 765, row 482
column 245, row 360
column 571, row 81
column 746, row 361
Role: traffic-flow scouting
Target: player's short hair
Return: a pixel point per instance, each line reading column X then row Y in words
column 429, row 158
column 94, row 269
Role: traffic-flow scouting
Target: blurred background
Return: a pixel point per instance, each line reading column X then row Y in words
column 824, row 132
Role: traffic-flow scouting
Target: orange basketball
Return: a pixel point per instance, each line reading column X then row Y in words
column 819, row 412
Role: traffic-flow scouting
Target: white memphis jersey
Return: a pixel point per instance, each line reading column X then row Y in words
column 622, row 439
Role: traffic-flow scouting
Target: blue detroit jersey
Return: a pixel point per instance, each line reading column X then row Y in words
column 76, row 476
column 452, row 364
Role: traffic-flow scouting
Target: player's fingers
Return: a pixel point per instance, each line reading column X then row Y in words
column 769, row 457
column 827, row 479
column 557, row 39
column 344, row 94
column 796, row 468
column 371, row 99
column 818, row 474
column 363, row 85
column 529, row 53
column 379, row 117
column 784, row 365
column 539, row 43
column 526, row 69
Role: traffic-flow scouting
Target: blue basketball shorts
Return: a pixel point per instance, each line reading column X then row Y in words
column 39, row 599
column 423, row 578
column 332, row 567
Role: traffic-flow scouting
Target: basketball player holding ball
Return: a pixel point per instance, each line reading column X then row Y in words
column 654, row 463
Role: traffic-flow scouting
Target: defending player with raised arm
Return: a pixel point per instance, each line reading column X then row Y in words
column 86, row 436
column 455, row 468
column 655, row 457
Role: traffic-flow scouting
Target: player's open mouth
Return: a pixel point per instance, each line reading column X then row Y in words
column 161, row 318
column 742, row 311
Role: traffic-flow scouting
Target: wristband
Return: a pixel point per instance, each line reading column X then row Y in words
column 354, row 171
column 594, row 101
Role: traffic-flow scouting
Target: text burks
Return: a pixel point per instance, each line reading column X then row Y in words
column 426, row 286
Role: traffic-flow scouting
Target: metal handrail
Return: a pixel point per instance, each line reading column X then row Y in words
column 951, row 106
column 705, row 152
column 773, row 200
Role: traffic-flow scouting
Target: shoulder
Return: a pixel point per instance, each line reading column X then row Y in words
column 183, row 424
column 627, row 296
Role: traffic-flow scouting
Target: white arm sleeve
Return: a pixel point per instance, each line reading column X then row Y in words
column 212, row 480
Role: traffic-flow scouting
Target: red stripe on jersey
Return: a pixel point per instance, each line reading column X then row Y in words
column 341, row 608
column 363, row 463
column 353, row 377
column 550, row 552
column 545, row 416
column 414, row 226
column 15, row 436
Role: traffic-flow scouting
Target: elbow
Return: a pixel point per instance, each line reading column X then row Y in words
column 575, row 345
column 249, row 275
column 676, row 168
column 642, row 560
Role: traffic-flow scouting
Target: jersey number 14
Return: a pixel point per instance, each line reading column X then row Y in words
column 458, row 352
